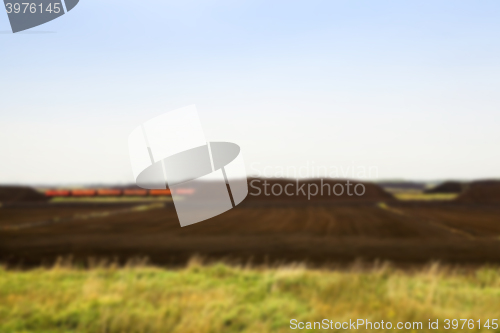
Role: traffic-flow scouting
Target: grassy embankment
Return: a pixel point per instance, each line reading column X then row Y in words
column 420, row 196
column 220, row 298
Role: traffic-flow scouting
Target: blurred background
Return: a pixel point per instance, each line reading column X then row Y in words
column 407, row 87
column 401, row 97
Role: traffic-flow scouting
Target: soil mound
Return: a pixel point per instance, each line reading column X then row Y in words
column 10, row 194
column 315, row 190
column 447, row 187
column 485, row 191
column 401, row 186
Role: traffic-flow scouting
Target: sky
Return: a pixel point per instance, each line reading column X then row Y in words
column 406, row 88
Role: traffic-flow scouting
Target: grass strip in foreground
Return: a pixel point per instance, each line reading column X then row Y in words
column 221, row 298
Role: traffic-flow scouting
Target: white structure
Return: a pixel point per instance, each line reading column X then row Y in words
column 170, row 151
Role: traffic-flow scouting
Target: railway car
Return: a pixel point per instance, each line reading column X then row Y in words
column 135, row 192
column 57, row 193
column 160, row 192
column 83, row 193
column 186, row 191
column 109, row 193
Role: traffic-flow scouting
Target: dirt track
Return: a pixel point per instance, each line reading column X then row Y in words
column 317, row 233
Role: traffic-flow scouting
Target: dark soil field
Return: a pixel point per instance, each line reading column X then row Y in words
column 447, row 187
column 258, row 231
column 486, row 191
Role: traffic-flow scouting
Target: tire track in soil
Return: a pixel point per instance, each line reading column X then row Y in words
column 453, row 231
column 81, row 217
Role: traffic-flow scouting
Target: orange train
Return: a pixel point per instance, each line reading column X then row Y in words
column 113, row 192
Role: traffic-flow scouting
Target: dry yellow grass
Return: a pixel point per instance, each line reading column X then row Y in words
column 420, row 196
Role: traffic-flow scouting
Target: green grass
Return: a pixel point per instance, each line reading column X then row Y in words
column 420, row 196
column 110, row 199
column 220, row 298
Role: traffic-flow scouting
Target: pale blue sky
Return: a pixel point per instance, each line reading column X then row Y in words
column 411, row 87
